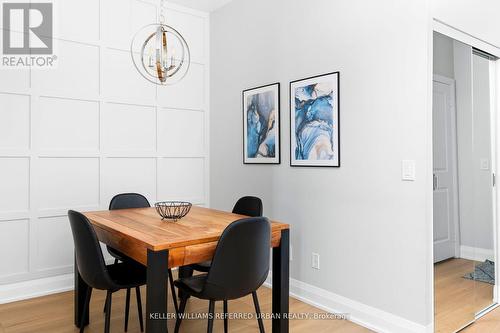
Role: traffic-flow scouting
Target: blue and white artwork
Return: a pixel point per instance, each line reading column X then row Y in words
column 261, row 125
column 314, row 122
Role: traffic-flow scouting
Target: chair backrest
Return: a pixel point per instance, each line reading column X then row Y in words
column 241, row 261
column 89, row 258
column 249, row 206
column 128, row 200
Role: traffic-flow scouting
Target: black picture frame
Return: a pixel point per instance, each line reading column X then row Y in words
column 292, row 122
column 263, row 160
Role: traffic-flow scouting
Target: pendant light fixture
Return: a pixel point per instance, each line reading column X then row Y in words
column 159, row 52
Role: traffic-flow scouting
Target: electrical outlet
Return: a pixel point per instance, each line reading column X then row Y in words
column 315, row 260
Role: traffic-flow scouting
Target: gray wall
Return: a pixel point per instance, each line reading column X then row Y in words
column 474, row 144
column 443, row 55
column 368, row 226
column 483, row 201
column 476, row 18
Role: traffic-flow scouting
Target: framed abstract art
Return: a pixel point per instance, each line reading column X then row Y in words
column 314, row 121
column 261, row 125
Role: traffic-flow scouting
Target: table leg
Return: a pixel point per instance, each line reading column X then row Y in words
column 81, row 289
column 281, row 281
column 156, row 301
column 184, row 272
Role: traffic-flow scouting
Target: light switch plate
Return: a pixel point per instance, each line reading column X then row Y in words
column 485, row 164
column 315, row 260
column 408, row 170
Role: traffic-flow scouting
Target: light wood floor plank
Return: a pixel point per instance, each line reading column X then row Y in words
column 54, row 314
column 457, row 300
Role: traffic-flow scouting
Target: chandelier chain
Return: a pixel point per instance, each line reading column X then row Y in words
column 161, row 17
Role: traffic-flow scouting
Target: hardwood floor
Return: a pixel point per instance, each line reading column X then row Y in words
column 54, row 314
column 458, row 299
column 489, row 323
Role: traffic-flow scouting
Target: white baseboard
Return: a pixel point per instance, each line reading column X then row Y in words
column 35, row 288
column 476, row 253
column 19, row 291
column 359, row 313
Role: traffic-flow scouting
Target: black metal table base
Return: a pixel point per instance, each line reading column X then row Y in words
column 281, row 284
column 156, row 301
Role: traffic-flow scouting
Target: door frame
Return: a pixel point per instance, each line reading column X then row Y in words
column 456, row 212
column 443, row 28
column 495, row 161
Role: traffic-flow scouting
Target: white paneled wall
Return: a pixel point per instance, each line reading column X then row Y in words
column 74, row 136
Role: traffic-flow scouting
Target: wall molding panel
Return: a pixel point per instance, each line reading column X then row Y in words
column 73, row 136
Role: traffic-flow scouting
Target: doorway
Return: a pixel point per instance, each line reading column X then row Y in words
column 445, row 173
column 463, row 183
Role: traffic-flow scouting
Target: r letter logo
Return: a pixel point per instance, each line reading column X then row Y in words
column 34, row 21
column 27, row 34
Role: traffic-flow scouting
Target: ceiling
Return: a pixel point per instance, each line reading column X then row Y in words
column 204, row 5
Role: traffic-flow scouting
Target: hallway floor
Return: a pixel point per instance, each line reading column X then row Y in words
column 458, row 299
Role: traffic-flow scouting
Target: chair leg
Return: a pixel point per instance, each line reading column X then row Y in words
column 180, row 313
column 108, row 311
column 172, row 288
column 257, row 311
column 86, row 307
column 139, row 306
column 105, row 301
column 225, row 317
column 127, row 308
column 211, row 308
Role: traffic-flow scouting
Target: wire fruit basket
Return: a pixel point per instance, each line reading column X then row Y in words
column 173, row 210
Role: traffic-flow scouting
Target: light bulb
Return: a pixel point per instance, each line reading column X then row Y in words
column 151, row 62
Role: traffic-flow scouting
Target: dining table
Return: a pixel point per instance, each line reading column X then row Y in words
column 158, row 244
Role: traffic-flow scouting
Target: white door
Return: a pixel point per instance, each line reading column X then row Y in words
column 445, row 170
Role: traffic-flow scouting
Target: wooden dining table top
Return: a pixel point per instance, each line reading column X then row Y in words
column 189, row 240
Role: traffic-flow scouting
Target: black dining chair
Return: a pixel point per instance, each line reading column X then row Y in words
column 239, row 267
column 97, row 275
column 127, row 201
column 249, row 206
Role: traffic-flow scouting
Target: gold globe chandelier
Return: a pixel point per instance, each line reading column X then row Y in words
column 160, row 53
